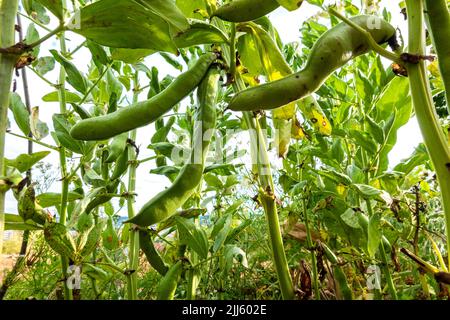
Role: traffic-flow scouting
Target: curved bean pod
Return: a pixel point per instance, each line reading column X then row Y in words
column 439, row 26
column 332, row 50
column 245, row 10
column 165, row 204
column 146, row 112
column 153, row 257
column 168, row 284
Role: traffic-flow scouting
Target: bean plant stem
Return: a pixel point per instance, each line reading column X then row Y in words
column 268, row 202
column 20, row 262
column 425, row 111
column 62, row 158
column 8, row 11
column 267, row 197
column 31, row 140
column 133, row 253
column 309, row 241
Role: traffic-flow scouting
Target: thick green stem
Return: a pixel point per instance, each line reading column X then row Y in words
column 20, row 262
column 8, row 10
column 133, row 253
column 438, row 21
column 425, row 111
column 267, row 198
column 62, row 160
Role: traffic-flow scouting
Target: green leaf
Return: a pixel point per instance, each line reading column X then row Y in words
column 24, row 162
column 20, row 113
column 50, row 199
column 132, row 24
column 394, row 104
column 99, row 55
column 337, row 151
column 31, row 37
column 290, row 5
column 162, row 133
column 364, row 140
column 168, row 171
column 131, row 55
column 222, row 169
column 221, row 235
column 232, row 209
column 192, row 236
column 54, row 97
column 74, row 77
column 418, row 157
column 355, row 173
column 44, row 65
column 375, row 130
column 93, row 178
column 374, row 234
column 249, row 55
column 350, row 218
column 169, row 11
column 335, row 176
column 114, row 85
column 172, row 61
column 62, row 131
column 213, row 181
column 55, row 7
column 199, row 33
column 367, row 191
column 191, row 8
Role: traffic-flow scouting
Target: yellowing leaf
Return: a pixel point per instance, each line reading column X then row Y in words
column 282, row 136
column 434, row 68
column 297, row 131
column 314, row 114
column 341, row 189
column 286, row 112
column 38, row 128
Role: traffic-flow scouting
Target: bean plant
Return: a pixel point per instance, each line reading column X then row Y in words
column 276, row 155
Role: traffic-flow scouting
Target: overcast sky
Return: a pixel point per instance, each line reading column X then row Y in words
column 288, row 25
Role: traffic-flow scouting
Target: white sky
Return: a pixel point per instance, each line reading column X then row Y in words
column 288, row 25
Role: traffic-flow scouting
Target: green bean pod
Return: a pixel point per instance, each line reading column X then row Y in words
column 121, row 165
column 153, row 257
column 332, row 50
column 146, row 112
column 168, row 284
column 92, row 240
column 60, row 240
column 165, row 204
column 245, row 10
column 341, row 279
column 438, row 19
